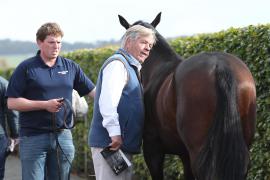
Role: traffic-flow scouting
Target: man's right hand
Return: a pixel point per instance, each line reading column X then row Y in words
column 54, row 105
column 116, row 142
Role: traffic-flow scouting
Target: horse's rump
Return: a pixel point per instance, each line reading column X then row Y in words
column 209, row 117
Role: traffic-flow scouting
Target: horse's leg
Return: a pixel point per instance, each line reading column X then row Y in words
column 188, row 175
column 196, row 103
column 154, row 158
column 246, row 101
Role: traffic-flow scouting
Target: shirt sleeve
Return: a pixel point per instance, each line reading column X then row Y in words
column 17, row 82
column 82, row 83
column 13, row 123
column 11, row 116
column 113, row 81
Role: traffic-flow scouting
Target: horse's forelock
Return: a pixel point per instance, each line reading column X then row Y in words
column 145, row 24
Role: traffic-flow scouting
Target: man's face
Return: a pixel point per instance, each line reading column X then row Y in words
column 140, row 47
column 50, row 47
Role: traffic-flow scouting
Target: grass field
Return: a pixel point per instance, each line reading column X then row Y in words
column 13, row 60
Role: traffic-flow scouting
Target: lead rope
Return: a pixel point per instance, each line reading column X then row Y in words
column 58, row 146
column 57, row 143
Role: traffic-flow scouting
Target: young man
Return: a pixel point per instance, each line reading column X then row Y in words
column 118, row 108
column 36, row 89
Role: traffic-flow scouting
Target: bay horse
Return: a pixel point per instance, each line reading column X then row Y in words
column 202, row 109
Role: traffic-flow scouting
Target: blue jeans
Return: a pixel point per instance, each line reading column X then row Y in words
column 38, row 155
column 3, row 153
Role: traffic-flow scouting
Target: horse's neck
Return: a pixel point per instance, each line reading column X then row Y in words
column 163, row 49
column 163, row 55
column 161, row 62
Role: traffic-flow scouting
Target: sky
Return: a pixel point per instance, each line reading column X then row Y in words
column 97, row 20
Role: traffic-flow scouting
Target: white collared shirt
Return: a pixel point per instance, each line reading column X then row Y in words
column 114, row 80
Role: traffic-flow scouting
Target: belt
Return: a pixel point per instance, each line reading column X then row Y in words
column 60, row 130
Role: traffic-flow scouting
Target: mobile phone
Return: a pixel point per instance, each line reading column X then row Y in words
column 60, row 100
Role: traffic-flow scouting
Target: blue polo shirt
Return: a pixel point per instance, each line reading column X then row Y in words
column 34, row 80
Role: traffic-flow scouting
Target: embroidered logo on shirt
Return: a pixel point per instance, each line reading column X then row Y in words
column 62, row 72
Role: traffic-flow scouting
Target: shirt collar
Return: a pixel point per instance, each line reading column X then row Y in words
column 57, row 63
column 133, row 61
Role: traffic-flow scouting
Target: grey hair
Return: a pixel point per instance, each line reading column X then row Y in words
column 137, row 31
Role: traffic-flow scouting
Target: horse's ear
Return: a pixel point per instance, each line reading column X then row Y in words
column 123, row 22
column 156, row 21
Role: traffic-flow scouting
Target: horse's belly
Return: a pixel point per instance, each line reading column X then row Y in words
column 171, row 141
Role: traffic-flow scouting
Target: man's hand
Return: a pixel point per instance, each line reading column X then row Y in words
column 54, row 105
column 116, row 142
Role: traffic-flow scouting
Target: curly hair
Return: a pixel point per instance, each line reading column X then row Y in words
column 49, row 29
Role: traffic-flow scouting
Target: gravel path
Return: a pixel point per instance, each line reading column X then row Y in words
column 13, row 169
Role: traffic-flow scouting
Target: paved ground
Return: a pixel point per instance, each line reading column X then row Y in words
column 13, row 169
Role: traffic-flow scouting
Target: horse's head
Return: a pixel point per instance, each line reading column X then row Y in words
column 160, row 54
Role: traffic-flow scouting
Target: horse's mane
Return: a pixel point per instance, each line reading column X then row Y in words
column 168, row 61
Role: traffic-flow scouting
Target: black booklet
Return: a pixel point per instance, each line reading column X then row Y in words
column 117, row 160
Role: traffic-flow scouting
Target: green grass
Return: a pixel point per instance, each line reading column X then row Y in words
column 12, row 61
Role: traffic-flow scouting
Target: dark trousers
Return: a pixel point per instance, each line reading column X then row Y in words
column 3, row 154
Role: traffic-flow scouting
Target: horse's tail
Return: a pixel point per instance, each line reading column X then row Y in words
column 225, row 155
